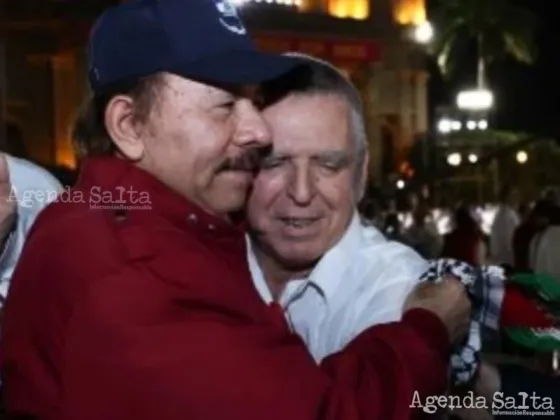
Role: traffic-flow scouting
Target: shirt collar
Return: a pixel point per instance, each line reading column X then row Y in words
column 327, row 274
column 256, row 273
column 331, row 268
column 118, row 181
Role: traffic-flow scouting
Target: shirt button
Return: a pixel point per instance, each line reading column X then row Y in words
column 192, row 219
column 120, row 215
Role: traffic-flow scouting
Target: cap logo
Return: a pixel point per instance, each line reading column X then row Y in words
column 229, row 17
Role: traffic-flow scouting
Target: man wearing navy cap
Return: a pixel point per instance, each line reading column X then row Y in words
column 133, row 300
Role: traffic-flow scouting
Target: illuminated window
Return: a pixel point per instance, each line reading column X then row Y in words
column 353, row 9
column 345, row 9
column 289, row 3
column 409, row 12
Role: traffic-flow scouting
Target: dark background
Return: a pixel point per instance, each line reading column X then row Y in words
column 527, row 98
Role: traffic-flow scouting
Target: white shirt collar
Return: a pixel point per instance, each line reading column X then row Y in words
column 256, row 272
column 327, row 274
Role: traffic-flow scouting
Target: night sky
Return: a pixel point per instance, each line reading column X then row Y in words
column 527, row 98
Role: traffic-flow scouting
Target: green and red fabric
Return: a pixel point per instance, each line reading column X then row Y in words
column 525, row 306
column 530, row 311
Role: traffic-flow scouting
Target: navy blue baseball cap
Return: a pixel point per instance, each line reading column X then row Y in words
column 202, row 40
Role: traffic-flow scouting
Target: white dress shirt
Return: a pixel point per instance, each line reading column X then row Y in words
column 544, row 252
column 501, row 238
column 33, row 188
column 363, row 280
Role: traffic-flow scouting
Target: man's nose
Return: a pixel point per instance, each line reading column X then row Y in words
column 252, row 130
column 301, row 187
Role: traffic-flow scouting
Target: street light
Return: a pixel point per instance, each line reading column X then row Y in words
column 445, row 125
column 424, row 33
column 482, row 125
column 522, row 157
column 400, row 184
column 279, row 2
column 475, row 100
column 473, row 158
column 454, row 159
column 456, row 125
column 471, row 125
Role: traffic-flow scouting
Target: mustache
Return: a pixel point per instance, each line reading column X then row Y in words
column 249, row 161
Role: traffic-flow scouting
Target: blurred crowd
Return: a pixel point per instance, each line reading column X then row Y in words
column 519, row 235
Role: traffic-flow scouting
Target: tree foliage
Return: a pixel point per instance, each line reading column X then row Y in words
column 497, row 28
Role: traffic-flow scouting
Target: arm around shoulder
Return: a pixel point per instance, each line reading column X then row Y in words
column 144, row 366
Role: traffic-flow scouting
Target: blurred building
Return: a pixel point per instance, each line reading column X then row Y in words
column 42, row 64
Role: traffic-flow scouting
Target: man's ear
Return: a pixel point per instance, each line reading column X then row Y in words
column 123, row 128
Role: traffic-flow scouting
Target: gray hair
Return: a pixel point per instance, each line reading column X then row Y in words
column 316, row 76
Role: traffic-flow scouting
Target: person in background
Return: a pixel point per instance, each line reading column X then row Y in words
column 422, row 235
column 25, row 190
column 142, row 306
column 465, row 242
column 503, row 227
column 393, row 228
column 552, row 195
column 535, row 222
column 545, row 243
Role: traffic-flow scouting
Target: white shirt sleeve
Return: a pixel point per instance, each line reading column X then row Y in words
column 546, row 255
column 33, row 188
column 501, row 241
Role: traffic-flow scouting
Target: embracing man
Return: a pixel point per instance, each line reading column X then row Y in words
column 308, row 249
column 310, row 255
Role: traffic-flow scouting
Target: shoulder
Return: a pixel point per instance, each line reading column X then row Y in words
column 26, row 175
column 32, row 187
column 70, row 233
column 382, row 274
column 390, row 260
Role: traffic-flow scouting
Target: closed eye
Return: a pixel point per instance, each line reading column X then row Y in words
column 272, row 162
column 227, row 104
column 334, row 164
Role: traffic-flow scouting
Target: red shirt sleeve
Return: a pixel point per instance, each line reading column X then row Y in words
column 204, row 366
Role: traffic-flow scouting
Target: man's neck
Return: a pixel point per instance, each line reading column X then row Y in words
column 275, row 274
